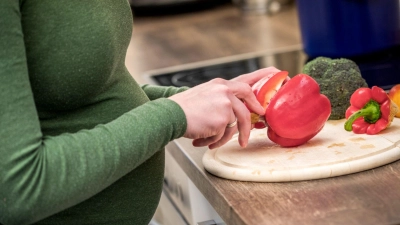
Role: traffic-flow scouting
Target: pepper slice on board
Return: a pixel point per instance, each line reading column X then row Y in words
column 370, row 111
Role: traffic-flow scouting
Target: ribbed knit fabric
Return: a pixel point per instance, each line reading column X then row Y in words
column 80, row 142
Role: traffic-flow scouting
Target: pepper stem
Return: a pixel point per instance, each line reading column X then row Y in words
column 371, row 113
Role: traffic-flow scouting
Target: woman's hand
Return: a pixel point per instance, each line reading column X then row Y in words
column 252, row 78
column 211, row 106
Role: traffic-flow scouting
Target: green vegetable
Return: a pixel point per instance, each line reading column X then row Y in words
column 338, row 80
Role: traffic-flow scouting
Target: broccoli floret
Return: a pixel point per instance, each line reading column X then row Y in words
column 338, row 79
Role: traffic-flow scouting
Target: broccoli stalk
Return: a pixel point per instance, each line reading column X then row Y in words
column 338, row 79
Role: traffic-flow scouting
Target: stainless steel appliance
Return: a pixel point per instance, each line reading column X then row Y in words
column 269, row 7
column 290, row 58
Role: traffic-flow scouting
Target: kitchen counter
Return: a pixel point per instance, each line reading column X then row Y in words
column 369, row 197
column 175, row 40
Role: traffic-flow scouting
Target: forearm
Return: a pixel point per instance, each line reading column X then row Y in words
column 155, row 92
column 53, row 173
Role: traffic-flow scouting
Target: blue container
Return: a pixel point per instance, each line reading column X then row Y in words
column 344, row 28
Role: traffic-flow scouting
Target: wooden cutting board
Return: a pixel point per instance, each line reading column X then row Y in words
column 332, row 152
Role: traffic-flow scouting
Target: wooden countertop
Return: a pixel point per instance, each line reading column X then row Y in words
column 370, row 197
column 165, row 41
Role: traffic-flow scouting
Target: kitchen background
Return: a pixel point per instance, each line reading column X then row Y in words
column 187, row 42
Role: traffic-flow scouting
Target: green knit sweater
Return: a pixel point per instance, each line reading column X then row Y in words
column 80, row 141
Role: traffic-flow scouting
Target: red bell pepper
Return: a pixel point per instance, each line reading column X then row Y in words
column 264, row 90
column 370, row 111
column 295, row 109
column 297, row 112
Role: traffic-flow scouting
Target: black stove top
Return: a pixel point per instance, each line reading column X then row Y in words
column 228, row 68
column 193, row 77
column 380, row 69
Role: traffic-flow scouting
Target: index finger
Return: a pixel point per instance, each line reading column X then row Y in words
column 253, row 77
column 243, row 92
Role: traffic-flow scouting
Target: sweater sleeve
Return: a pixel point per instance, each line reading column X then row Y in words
column 155, row 92
column 42, row 175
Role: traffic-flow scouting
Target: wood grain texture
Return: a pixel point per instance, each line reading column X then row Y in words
column 369, row 197
column 165, row 41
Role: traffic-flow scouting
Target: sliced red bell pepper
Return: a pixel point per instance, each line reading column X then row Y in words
column 259, row 84
column 370, row 111
column 297, row 112
column 264, row 90
column 269, row 89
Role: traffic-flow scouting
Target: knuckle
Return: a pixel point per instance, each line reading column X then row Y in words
column 224, row 89
column 226, row 103
column 218, row 80
column 222, row 122
column 247, row 91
